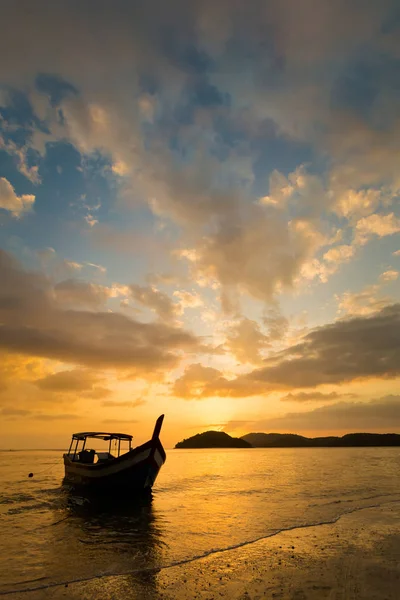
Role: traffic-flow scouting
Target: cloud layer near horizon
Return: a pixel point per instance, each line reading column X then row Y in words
column 379, row 414
column 336, row 353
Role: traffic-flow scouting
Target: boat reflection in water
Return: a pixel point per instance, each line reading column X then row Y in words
column 110, row 544
column 110, row 547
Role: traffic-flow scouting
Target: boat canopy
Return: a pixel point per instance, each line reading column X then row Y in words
column 101, row 435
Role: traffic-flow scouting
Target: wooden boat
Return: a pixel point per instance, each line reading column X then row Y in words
column 134, row 470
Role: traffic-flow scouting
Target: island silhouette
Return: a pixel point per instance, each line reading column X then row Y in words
column 213, row 439
column 220, row 439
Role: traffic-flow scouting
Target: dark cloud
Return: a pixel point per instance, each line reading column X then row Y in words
column 54, row 87
column 155, row 300
column 357, row 348
column 348, row 350
column 54, row 416
column 97, row 393
column 75, row 292
column 123, row 403
column 277, row 324
column 123, row 29
column 32, row 322
column 382, row 414
column 315, row 397
column 77, row 380
column 13, row 414
column 187, row 60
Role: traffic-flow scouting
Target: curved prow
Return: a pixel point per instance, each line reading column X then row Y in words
column 157, row 427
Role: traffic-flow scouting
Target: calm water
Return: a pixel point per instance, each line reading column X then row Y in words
column 204, row 500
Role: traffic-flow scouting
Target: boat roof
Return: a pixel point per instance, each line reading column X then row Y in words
column 101, row 435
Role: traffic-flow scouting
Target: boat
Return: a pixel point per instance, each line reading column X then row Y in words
column 134, row 470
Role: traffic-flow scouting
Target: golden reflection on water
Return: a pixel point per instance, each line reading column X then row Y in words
column 204, row 500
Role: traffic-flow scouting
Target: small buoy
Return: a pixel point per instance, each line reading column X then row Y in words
column 30, row 475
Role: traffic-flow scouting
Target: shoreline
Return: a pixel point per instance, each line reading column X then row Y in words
column 355, row 557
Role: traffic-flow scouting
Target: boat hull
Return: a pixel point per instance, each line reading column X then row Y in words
column 135, row 471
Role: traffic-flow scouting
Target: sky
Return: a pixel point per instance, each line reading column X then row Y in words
column 199, row 216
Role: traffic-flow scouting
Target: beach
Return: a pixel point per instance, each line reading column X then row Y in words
column 358, row 557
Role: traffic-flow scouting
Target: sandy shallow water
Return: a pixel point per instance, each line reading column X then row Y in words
column 358, row 557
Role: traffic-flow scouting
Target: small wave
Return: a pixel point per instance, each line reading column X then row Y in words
column 26, row 508
column 16, row 498
column 353, row 500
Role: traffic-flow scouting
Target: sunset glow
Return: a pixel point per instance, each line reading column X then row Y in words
column 199, row 216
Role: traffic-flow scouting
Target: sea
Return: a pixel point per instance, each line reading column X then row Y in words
column 203, row 501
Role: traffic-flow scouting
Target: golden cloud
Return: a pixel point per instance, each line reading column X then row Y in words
column 34, row 323
column 362, row 347
column 9, row 201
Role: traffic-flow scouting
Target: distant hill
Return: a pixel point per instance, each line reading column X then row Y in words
column 290, row 440
column 213, row 439
column 275, row 440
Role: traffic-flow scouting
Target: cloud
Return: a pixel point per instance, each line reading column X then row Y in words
column 19, row 368
column 72, row 265
column 16, row 205
column 276, row 323
column 193, row 382
column 326, row 28
column 245, row 340
column 356, row 348
column 165, row 279
column 155, row 300
column 390, row 275
column 255, row 251
column 376, row 225
column 99, row 268
column 33, row 323
column 258, row 250
column 357, row 202
column 199, row 382
column 20, row 155
column 188, row 299
column 119, row 421
column 302, row 191
column 74, row 292
column 76, row 380
column 46, row 256
column 340, row 254
column 366, row 302
column 97, row 393
column 90, row 220
column 362, row 347
column 14, row 414
column 382, row 414
column 123, row 403
column 54, row 416
column 314, row 396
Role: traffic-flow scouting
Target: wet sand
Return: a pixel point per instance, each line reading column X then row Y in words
column 356, row 558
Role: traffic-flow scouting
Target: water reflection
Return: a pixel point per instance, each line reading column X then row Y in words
column 104, row 537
